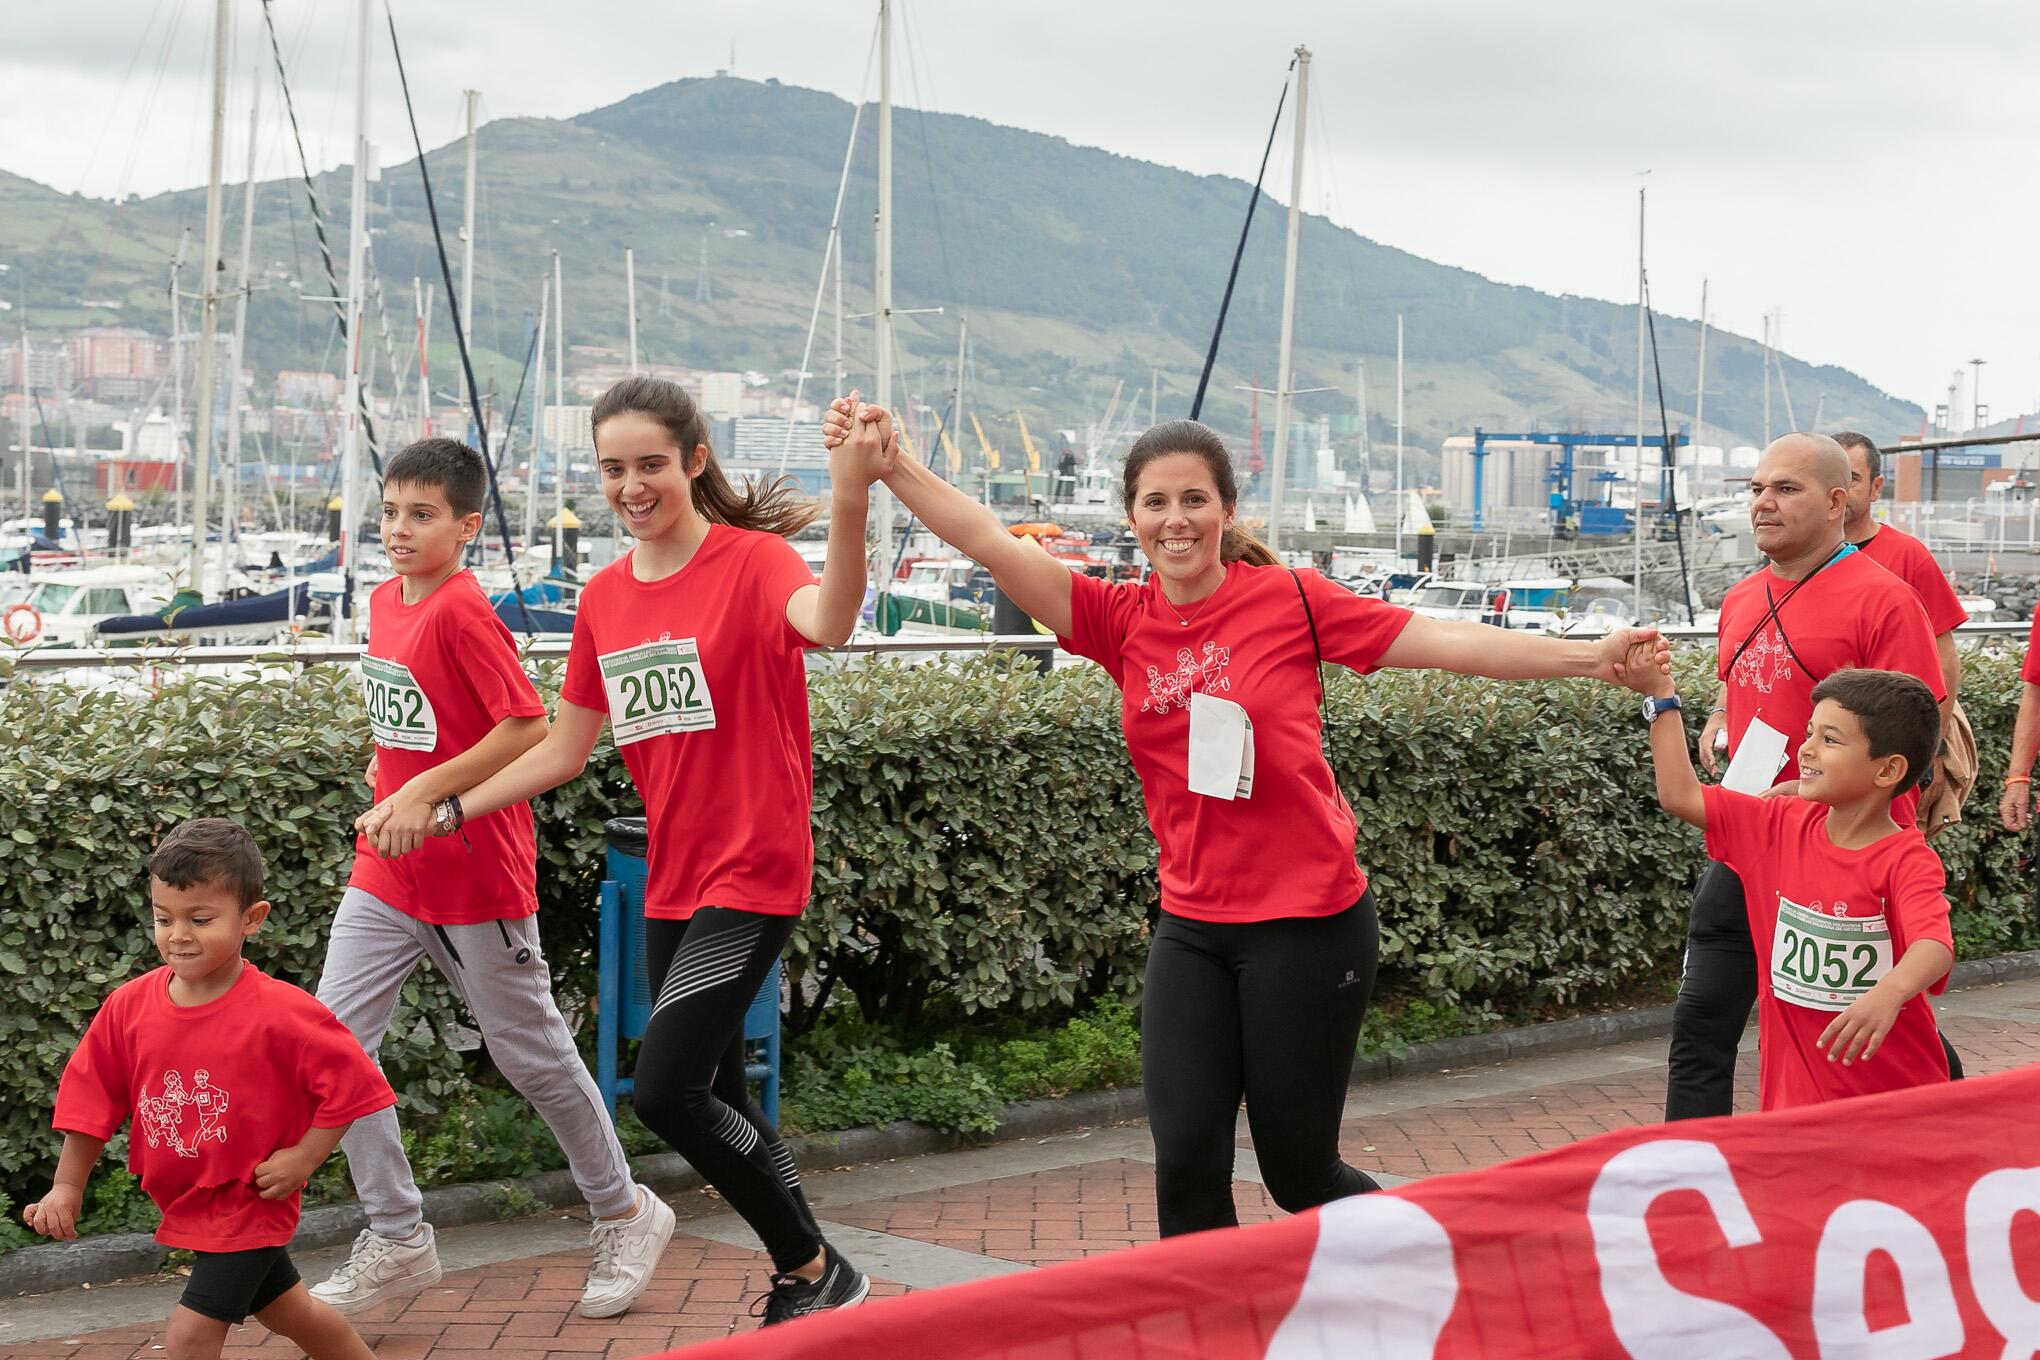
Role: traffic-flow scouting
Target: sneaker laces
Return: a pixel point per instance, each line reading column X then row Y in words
column 606, row 1239
column 370, row 1247
column 777, row 1305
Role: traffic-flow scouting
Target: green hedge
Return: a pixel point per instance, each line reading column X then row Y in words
column 980, row 848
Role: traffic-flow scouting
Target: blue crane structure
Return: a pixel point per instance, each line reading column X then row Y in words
column 1564, row 506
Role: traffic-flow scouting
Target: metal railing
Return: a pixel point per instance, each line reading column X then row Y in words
column 341, row 653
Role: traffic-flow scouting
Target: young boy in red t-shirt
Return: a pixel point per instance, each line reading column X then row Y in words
column 239, row 1087
column 1846, row 906
column 449, row 705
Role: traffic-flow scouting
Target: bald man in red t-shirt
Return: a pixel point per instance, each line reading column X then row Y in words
column 1819, row 606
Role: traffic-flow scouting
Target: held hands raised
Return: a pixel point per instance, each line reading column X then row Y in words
column 1635, row 658
column 861, row 440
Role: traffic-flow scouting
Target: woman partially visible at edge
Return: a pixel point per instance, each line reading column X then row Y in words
column 690, row 646
column 1263, row 960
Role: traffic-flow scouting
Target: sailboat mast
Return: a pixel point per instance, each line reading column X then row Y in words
column 22, row 426
column 559, row 521
column 1284, row 359
column 421, row 307
column 630, row 295
column 177, row 348
column 467, row 229
column 537, row 419
column 882, row 501
column 230, row 501
column 209, row 304
column 956, row 404
column 1637, row 482
column 1700, row 391
column 1398, row 440
column 357, row 246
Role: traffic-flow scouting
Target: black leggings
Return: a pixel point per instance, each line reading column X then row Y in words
column 690, row 1087
column 1717, row 987
column 1268, row 1010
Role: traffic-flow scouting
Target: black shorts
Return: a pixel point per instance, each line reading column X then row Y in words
column 230, row 1286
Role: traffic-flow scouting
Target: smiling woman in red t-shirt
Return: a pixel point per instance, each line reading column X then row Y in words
column 1265, row 953
column 690, row 647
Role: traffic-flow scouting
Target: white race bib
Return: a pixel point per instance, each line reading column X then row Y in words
column 656, row 688
column 1221, row 748
column 1758, row 758
column 1826, row 963
column 399, row 714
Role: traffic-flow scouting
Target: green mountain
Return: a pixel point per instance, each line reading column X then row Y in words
column 1078, row 269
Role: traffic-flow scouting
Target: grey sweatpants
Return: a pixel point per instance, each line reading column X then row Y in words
column 497, row 969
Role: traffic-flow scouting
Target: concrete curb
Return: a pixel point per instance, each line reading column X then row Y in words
column 116, row 1256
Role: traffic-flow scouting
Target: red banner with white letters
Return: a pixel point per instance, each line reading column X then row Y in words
column 1891, row 1226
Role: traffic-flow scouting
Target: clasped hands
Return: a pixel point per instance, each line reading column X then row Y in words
column 398, row 824
column 1635, row 658
column 861, row 440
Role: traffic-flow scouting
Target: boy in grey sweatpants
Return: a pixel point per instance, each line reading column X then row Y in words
column 449, row 705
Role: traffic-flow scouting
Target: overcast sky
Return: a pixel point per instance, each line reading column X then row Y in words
column 1866, row 167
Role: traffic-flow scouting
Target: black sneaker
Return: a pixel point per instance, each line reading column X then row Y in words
column 841, row 1285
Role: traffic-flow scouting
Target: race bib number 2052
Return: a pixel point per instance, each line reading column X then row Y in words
column 655, row 689
column 399, row 714
column 1827, row 963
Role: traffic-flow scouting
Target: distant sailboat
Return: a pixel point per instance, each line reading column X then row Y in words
column 1359, row 515
column 1415, row 518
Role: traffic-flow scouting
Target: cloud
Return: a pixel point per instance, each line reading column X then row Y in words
column 1860, row 165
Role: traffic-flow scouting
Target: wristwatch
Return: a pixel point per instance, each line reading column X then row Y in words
column 1653, row 709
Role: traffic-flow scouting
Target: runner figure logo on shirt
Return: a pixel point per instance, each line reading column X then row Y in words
column 211, row 1103
column 161, row 1118
column 1191, row 675
column 1765, row 662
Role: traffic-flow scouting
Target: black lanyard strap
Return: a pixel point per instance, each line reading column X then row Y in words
column 1771, row 615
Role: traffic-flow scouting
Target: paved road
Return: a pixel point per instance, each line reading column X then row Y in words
column 929, row 1221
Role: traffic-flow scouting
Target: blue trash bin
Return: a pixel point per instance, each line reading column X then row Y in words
column 624, row 1000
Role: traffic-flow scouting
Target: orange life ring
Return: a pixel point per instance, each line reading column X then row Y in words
column 22, row 622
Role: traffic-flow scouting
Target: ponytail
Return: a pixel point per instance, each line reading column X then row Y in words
column 1240, row 546
column 773, row 506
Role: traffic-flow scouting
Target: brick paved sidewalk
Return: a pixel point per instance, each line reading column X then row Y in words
column 510, row 1289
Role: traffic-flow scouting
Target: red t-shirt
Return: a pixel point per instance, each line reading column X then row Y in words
column 438, row 676
column 1850, row 613
column 213, row 1091
column 2029, row 668
column 1286, row 849
column 1907, row 558
column 1780, row 849
column 705, row 686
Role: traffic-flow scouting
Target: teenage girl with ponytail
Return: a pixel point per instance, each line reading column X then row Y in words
column 1262, row 962
column 690, row 647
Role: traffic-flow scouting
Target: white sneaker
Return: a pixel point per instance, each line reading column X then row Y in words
column 626, row 1252
column 381, row 1268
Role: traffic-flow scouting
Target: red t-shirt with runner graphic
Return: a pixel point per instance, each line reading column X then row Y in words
column 1808, row 900
column 1909, row 560
column 1850, row 613
column 213, row 1091
column 705, row 686
column 1286, row 849
column 437, row 677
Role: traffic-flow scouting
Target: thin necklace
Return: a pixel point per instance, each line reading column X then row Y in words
column 1181, row 617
